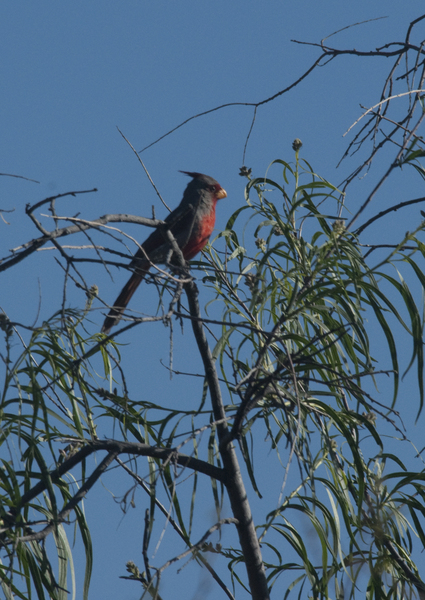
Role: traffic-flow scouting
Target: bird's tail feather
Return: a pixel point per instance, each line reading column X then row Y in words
column 123, row 299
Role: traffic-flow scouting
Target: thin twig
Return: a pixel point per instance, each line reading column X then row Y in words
column 380, row 104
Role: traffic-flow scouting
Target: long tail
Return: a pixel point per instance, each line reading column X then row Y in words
column 123, row 299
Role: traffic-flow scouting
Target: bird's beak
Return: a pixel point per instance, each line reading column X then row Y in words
column 221, row 194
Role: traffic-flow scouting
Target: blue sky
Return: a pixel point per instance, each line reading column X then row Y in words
column 73, row 72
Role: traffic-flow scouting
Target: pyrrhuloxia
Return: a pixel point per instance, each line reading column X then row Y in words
column 191, row 224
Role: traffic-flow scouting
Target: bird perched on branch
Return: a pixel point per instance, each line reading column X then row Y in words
column 191, row 224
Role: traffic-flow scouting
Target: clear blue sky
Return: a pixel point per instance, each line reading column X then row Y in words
column 72, row 72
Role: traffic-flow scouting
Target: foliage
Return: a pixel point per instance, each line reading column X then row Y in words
column 309, row 295
column 297, row 314
column 308, row 324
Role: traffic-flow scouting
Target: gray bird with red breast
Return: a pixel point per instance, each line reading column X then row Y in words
column 191, row 224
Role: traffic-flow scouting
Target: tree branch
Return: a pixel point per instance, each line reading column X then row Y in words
column 117, row 447
column 175, row 526
column 386, row 212
column 233, row 477
column 33, row 245
column 82, row 492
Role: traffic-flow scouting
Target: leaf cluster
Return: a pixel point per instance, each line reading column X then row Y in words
column 309, row 320
column 307, row 325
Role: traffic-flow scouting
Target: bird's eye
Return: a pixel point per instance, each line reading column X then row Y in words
column 212, row 188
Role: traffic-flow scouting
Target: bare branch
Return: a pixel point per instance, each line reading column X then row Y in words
column 394, row 208
column 18, row 177
column 79, row 496
column 380, row 104
column 21, row 252
column 146, row 171
column 198, row 545
column 328, row 53
column 176, row 527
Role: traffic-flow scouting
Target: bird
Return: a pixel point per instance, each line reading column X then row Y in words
column 191, row 224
